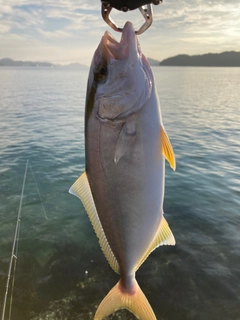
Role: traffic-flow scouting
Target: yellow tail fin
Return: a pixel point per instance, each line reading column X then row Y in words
column 117, row 299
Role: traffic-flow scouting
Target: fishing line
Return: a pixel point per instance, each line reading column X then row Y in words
column 16, row 243
column 14, row 273
column 14, row 249
column 38, row 192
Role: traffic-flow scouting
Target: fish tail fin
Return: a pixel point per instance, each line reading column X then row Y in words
column 134, row 301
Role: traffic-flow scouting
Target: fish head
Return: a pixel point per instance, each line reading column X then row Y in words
column 120, row 76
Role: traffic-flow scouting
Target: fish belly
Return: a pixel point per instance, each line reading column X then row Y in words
column 128, row 195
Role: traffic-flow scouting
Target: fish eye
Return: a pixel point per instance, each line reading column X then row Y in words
column 101, row 73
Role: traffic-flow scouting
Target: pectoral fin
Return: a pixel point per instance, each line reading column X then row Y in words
column 162, row 237
column 125, row 140
column 81, row 189
column 167, row 149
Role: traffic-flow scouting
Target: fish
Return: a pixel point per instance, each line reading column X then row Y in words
column 122, row 187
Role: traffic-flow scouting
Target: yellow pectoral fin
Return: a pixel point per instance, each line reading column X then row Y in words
column 167, row 149
column 82, row 190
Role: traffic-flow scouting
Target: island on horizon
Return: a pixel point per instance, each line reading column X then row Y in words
column 224, row 59
column 7, row 62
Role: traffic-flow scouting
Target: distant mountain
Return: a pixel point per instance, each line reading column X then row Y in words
column 224, row 59
column 73, row 66
column 7, row 62
column 153, row 62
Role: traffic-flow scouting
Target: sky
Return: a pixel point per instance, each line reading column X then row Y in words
column 66, row 31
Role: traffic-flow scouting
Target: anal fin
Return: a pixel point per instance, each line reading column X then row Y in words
column 81, row 189
column 163, row 236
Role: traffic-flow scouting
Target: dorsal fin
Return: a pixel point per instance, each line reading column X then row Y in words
column 81, row 189
column 162, row 237
column 167, row 149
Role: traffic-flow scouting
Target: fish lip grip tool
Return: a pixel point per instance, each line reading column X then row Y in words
column 145, row 9
column 126, row 5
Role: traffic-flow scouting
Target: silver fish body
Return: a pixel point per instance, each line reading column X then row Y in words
column 122, row 188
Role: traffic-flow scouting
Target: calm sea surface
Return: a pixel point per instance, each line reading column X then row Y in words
column 61, row 272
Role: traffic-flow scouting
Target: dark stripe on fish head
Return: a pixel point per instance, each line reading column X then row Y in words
column 97, row 74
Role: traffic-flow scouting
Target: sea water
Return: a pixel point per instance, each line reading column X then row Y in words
column 61, row 272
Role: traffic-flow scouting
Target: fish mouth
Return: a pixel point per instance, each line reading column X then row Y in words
column 120, row 75
column 128, row 47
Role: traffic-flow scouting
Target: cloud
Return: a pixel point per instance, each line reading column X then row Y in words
column 195, row 27
column 71, row 29
column 4, row 28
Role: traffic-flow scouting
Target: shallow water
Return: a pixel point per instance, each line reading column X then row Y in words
column 41, row 120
